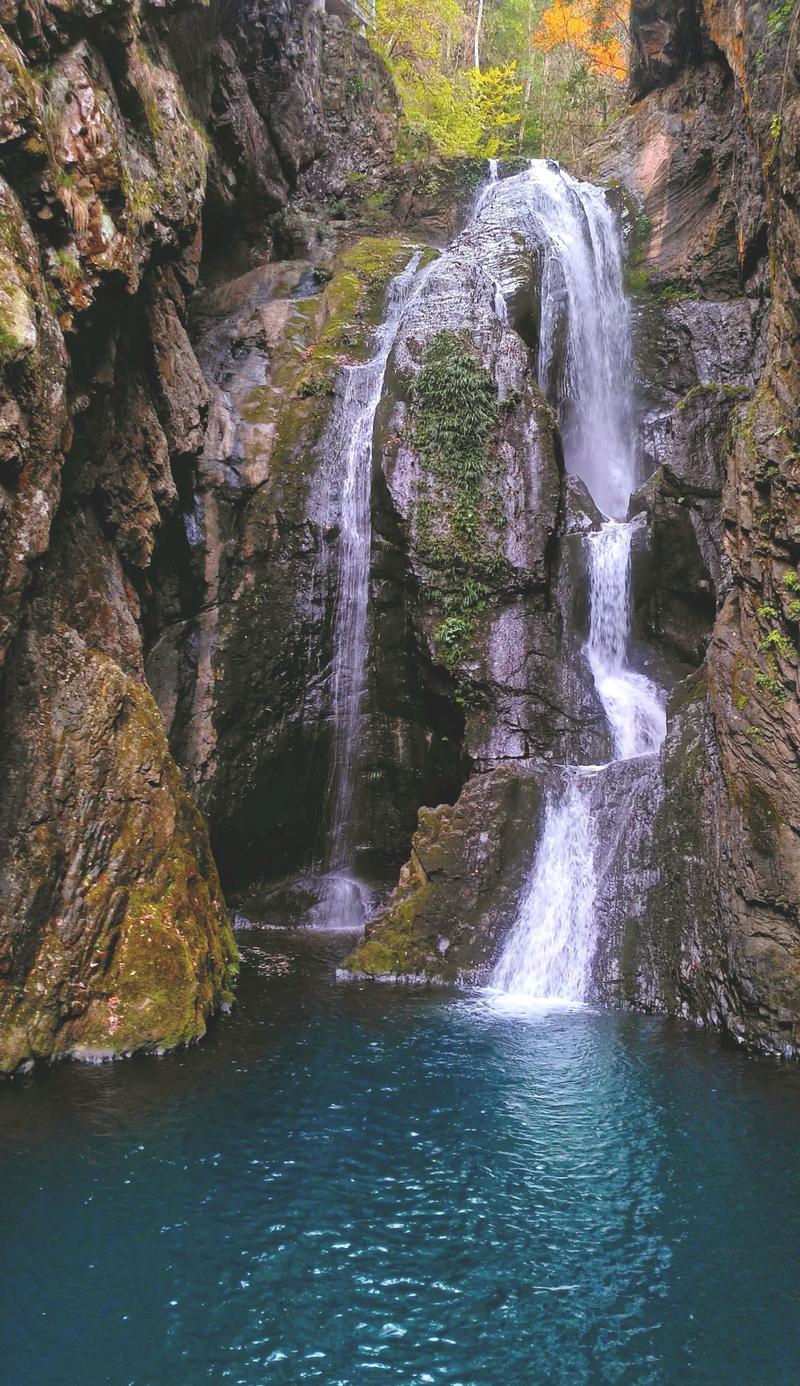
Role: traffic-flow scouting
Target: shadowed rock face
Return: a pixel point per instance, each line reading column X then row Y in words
column 665, row 38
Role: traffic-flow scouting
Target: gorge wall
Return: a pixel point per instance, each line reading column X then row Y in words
column 201, row 212
column 130, row 137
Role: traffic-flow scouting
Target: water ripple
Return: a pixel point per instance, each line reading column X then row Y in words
column 344, row 1182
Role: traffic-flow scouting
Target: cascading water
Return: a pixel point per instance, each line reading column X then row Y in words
column 631, row 702
column 549, row 950
column 585, row 354
column 348, row 449
column 585, row 368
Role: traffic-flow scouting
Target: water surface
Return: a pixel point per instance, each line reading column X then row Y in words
column 347, row 1185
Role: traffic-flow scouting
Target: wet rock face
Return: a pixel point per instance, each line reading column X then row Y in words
column 114, row 933
column 472, row 654
column 514, row 652
column 458, row 892
column 241, row 661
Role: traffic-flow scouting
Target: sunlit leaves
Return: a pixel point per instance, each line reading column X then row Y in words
column 590, row 29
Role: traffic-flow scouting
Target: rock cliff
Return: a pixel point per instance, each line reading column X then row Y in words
column 704, row 921
column 133, row 140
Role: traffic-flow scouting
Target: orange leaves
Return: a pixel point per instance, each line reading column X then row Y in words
column 589, row 27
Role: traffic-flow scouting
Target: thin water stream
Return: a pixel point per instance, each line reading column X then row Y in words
column 348, row 453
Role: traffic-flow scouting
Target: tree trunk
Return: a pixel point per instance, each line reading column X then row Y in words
column 541, row 111
column 478, row 23
column 526, row 101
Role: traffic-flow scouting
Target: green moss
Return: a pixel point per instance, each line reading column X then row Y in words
column 175, row 953
column 706, row 390
column 69, row 268
column 455, row 417
column 398, row 946
column 354, row 298
column 637, row 281
column 17, row 318
column 769, row 682
column 156, row 953
column 321, row 333
column 672, row 290
column 777, row 641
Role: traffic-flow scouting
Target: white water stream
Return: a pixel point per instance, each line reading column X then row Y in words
column 585, row 368
column 348, row 447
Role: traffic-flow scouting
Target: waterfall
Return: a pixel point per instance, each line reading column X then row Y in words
column 631, row 702
column 585, row 368
column 549, row 951
column 348, row 451
column 582, row 286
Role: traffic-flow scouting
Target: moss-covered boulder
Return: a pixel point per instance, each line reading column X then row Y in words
column 114, row 934
column 458, row 893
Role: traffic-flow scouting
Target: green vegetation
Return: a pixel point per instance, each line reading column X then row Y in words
column 321, row 333
column 456, row 416
column 69, row 268
column 492, row 77
column 637, row 281
column 770, row 683
column 780, row 15
column 778, row 642
column 456, row 413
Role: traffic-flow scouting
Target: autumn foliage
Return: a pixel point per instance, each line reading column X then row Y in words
column 499, row 77
column 590, row 29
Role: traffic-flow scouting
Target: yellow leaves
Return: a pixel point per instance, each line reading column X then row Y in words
column 469, row 113
column 590, row 28
column 418, row 32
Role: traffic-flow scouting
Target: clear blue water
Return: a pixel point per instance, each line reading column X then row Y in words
column 356, row 1185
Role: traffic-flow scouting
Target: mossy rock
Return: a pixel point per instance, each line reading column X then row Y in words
column 134, row 950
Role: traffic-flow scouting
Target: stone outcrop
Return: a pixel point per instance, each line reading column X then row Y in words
column 745, row 822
